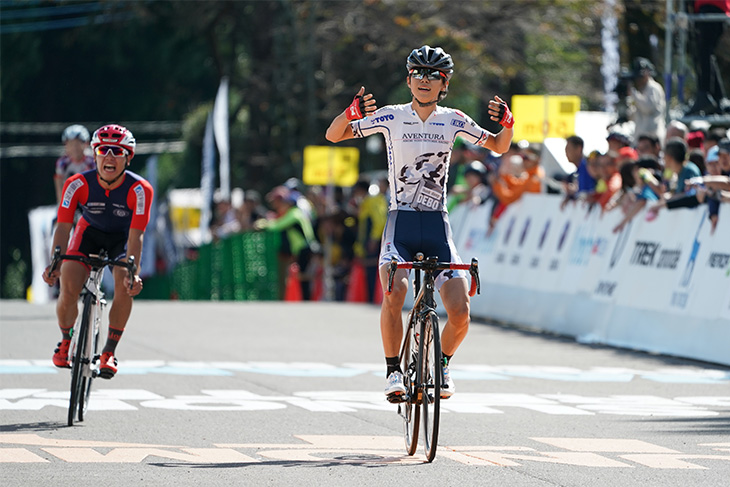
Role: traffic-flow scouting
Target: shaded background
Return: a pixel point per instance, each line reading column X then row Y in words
column 292, row 65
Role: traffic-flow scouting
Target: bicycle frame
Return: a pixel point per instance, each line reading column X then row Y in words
column 420, row 354
column 83, row 352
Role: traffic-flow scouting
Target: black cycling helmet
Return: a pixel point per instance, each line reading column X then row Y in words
column 431, row 57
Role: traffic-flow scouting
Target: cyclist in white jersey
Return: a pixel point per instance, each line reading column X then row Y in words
column 419, row 137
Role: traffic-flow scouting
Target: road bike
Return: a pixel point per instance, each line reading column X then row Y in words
column 84, row 350
column 420, row 356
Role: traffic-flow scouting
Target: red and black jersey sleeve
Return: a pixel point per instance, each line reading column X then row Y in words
column 75, row 193
column 139, row 200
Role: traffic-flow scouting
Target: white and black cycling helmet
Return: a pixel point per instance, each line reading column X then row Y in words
column 75, row 132
column 431, row 57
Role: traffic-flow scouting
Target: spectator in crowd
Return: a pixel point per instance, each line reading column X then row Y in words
column 74, row 160
column 697, row 157
column 610, row 182
column 581, row 182
column 696, row 139
column 646, row 100
column 724, row 156
column 475, row 176
column 337, row 230
column 251, row 210
column 298, row 241
column 226, row 221
column 636, row 189
column 649, row 145
column 463, row 154
column 617, row 141
column 675, row 128
column 650, row 163
column 626, row 155
column 508, row 187
column 714, row 136
column 712, row 188
column 675, row 160
column 371, row 217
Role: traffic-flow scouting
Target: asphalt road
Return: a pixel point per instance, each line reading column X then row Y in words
column 291, row 394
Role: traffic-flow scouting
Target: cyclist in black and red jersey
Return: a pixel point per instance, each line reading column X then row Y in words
column 115, row 206
column 419, row 137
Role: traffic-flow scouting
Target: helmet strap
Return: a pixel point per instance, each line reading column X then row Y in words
column 116, row 178
column 113, row 180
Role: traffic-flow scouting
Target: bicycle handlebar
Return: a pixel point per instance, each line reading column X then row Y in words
column 432, row 264
column 98, row 261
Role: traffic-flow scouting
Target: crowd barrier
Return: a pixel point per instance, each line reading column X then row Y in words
column 242, row 267
column 661, row 286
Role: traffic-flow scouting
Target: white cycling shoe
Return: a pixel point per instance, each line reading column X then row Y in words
column 447, row 386
column 394, row 385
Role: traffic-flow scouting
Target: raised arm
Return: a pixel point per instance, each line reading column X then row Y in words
column 500, row 113
column 362, row 106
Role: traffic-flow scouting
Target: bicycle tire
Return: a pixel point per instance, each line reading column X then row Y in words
column 411, row 413
column 432, row 370
column 88, row 378
column 77, row 368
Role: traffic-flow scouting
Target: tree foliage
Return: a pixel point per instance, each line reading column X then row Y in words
column 292, row 64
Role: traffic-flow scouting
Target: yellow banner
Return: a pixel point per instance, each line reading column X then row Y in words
column 325, row 165
column 538, row 117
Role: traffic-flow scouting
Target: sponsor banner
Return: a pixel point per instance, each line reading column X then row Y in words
column 705, row 271
column 653, row 254
column 613, row 262
column 661, row 285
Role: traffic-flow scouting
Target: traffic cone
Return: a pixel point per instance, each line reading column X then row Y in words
column 293, row 290
column 318, row 285
column 357, row 287
column 378, row 292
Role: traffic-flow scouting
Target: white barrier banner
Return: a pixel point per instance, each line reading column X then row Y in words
column 661, row 285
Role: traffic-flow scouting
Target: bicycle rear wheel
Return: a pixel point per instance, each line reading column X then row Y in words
column 92, row 332
column 409, row 410
column 432, row 370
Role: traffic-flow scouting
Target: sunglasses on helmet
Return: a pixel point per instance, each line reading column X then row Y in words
column 116, row 151
column 428, row 73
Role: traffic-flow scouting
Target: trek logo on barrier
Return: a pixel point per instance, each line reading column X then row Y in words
column 650, row 254
column 644, row 253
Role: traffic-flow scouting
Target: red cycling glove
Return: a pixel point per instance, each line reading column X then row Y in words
column 356, row 109
column 505, row 116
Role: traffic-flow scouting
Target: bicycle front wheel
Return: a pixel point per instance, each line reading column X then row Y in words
column 92, row 346
column 77, row 369
column 409, row 410
column 432, row 370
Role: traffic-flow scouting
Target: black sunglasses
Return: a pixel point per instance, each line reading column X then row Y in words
column 428, row 73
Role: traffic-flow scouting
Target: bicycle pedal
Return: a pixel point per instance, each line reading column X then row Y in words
column 396, row 398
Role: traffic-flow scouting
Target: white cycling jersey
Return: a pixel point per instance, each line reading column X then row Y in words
column 419, row 152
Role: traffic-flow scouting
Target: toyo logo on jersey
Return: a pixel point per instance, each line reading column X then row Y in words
column 383, row 118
